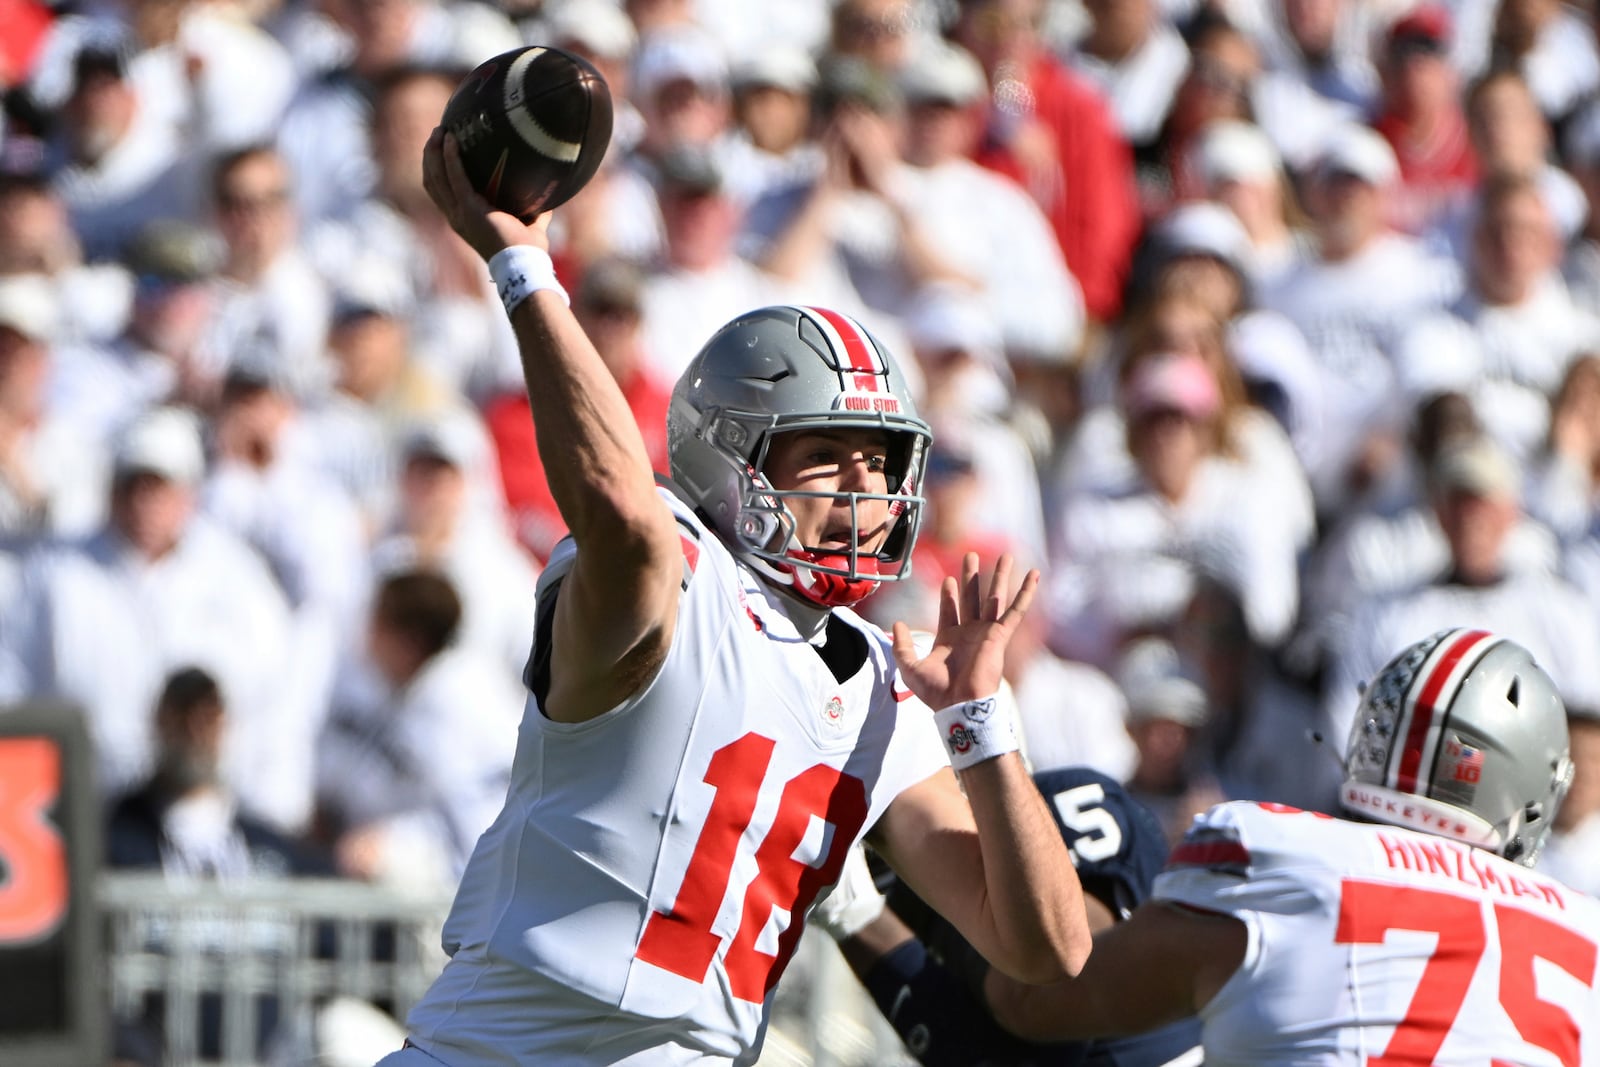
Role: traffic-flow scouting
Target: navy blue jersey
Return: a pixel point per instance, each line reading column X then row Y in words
column 930, row 989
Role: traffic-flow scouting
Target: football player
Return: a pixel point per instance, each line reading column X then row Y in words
column 928, row 982
column 710, row 728
column 1412, row 931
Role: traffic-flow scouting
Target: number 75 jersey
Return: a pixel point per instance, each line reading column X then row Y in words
column 647, row 882
column 1387, row 947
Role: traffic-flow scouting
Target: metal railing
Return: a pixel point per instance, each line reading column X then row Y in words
column 237, row 974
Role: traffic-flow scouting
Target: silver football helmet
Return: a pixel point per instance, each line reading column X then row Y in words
column 1462, row 735
column 779, row 369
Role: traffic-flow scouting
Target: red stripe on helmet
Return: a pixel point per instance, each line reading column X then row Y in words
column 857, row 348
column 1424, row 709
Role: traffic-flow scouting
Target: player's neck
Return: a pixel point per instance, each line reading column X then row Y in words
column 810, row 619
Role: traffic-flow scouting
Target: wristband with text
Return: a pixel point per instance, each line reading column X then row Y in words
column 522, row 270
column 976, row 730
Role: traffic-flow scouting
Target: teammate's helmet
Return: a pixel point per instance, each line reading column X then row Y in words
column 778, row 369
column 1462, row 735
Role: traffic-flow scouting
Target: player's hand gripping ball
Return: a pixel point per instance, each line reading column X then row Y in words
column 532, row 125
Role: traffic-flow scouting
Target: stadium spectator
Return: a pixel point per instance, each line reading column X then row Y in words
column 1237, row 166
column 880, row 33
column 680, row 83
column 1421, row 117
column 269, row 298
column 1565, row 475
column 407, row 781
column 1478, row 497
column 156, row 588
column 1400, row 546
column 967, row 397
column 1581, row 266
column 703, row 281
column 1522, row 327
column 437, row 527
column 1353, row 299
column 1131, row 53
column 1051, row 132
column 1573, row 851
column 1126, row 559
column 37, row 237
column 616, row 212
column 52, row 475
column 117, row 162
column 1166, row 712
column 184, row 820
column 1511, row 138
column 1324, row 45
column 773, row 144
column 1552, row 48
column 1022, row 278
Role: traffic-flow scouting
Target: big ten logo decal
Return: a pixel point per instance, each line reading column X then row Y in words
column 682, row 940
column 33, row 856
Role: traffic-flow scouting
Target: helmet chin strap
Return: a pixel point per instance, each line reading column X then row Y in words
column 833, row 590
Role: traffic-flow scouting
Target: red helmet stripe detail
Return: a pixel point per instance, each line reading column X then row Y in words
column 857, row 348
column 1424, row 708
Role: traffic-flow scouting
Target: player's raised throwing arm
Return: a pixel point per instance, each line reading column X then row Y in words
column 614, row 617
column 995, row 867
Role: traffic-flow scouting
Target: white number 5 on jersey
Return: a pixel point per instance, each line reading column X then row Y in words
column 1100, row 837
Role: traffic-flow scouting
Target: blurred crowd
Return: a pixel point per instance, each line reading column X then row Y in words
column 1268, row 329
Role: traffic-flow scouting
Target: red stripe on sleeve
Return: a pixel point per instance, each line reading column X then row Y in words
column 1210, row 854
column 1422, row 711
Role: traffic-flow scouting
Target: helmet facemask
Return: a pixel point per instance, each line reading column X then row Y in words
column 765, row 529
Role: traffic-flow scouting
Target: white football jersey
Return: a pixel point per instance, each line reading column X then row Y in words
column 1374, row 945
column 646, row 883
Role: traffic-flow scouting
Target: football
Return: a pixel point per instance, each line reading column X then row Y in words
column 532, row 125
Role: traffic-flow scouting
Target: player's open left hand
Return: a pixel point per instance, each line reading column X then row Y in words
column 469, row 214
column 976, row 620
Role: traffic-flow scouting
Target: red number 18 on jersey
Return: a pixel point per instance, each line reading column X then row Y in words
column 682, row 940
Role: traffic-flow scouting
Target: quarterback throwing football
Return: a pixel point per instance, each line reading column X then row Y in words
column 710, row 728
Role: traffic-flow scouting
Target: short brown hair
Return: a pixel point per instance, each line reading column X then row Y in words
column 421, row 605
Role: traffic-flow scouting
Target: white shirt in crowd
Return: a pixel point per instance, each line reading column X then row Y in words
column 1073, row 715
column 148, row 175
column 1128, row 561
column 1353, row 314
column 1540, row 612
column 1268, row 467
column 1140, row 86
column 1024, row 279
column 1509, row 359
column 69, row 477
column 282, row 318
column 428, row 763
column 1375, row 556
column 103, row 628
column 495, row 580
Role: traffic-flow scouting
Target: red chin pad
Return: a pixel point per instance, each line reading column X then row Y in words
column 834, row 590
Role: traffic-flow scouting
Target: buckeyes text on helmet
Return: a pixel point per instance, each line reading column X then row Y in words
column 783, row 369
column 1462, row 735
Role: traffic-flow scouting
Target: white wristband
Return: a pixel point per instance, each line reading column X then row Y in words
column 522, row 270
column 976, row 731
